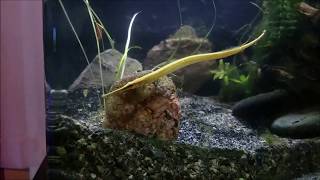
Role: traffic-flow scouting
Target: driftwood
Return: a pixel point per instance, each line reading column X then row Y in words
column 310, row 11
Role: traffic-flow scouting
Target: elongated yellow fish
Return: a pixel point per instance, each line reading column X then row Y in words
column 181, row 63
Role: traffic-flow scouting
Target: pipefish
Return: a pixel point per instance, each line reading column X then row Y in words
column 181, row 63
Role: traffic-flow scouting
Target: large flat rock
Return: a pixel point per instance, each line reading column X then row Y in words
column 212, row 144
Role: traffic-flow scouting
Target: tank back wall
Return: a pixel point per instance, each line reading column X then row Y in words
column 157, row 20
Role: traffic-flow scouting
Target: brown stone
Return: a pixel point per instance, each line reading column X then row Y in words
column 152, row 110
column 309, row 11
column 184, row 42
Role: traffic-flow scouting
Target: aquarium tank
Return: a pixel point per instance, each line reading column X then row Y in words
column 182, row 89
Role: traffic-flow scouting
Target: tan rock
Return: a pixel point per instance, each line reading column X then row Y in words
column 152, row 110
column 183, row 43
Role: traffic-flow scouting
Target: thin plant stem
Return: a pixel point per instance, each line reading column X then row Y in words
column 98, row 46
column 211, row 28
column 100, row 24
column 122, row 63
column 76, row 34
column 180, row 13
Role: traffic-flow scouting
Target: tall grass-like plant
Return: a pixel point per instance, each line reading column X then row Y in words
column 122, row 63
column 78, row 39
column 95, row 20
column 76, row 34
column 97, row 42
column 248, row 27
column 211, row 28
column 100, row 24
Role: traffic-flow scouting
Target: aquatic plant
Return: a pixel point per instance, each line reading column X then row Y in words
column 99, row 23
column 97, row 41
column 224, row 71
column 76, row 34
column 96, row 23
column 211, row 28
column 122, row 63
column 280, row 19
column 236, row 83
column 94, row 19
column 181, row 63
column 270, row 138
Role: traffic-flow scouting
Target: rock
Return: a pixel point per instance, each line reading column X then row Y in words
column 90, row 76
column 183, row 43
column 310, row 12
column 211, row 145
column 309, row 176
column 298, row 125
column 152, row 110
column 265, row 105
column 63, row 175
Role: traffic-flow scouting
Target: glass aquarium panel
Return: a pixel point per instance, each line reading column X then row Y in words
column 184, row 89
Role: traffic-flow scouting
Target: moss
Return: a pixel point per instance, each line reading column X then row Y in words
column 281, row 20
column 270, row 138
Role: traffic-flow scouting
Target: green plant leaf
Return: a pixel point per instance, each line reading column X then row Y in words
column 121, row 66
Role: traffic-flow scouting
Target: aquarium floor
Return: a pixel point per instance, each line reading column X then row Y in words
column 211, row 144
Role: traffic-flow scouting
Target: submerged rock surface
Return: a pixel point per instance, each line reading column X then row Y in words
column 90, row 76
column 184, row 42
column 212, row 144
column 298, row 125
column 152, row 110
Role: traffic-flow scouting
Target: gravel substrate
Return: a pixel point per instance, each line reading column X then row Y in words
column 211, row 144
column 207, row 123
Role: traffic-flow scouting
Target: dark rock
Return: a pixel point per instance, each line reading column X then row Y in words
column 265, row 105
column 184, row 42
column 298, row 125
column 90, row 76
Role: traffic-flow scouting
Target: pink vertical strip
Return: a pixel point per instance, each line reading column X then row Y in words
column 22, row 112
